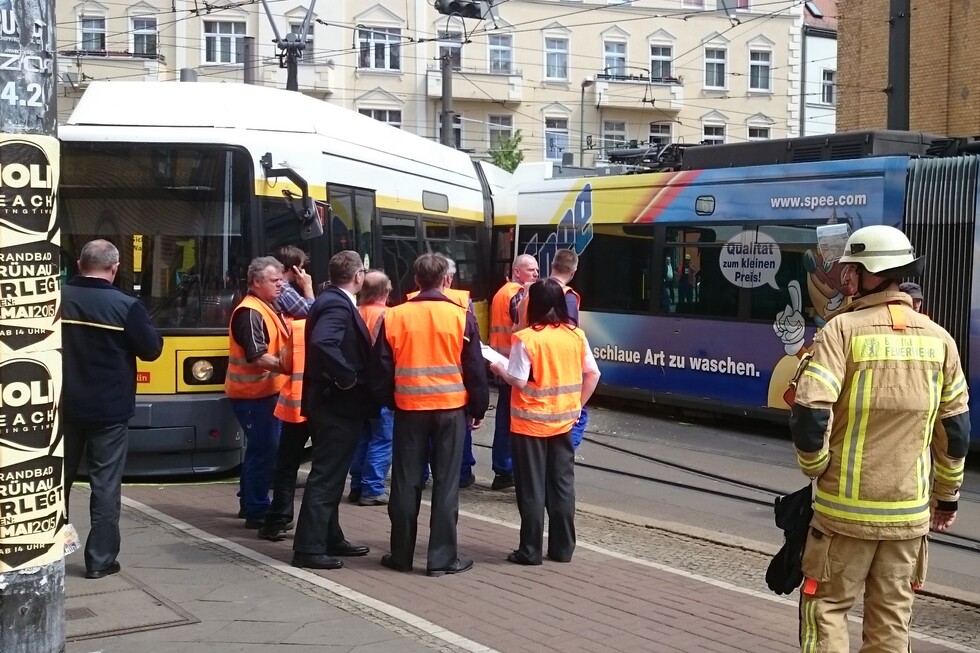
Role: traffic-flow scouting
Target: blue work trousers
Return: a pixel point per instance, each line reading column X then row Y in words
column 500, row 460
column 372, row 457
column 262, row 430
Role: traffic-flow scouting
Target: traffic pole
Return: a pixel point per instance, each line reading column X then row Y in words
column 448, row 116
column 32, row 514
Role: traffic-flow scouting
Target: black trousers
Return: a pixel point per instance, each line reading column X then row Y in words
column 292, row 441
column 414, row 433
column 105, row 447
column 334, row 439
column 544, row 477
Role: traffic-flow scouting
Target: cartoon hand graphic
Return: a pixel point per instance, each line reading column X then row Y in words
column 789, row 324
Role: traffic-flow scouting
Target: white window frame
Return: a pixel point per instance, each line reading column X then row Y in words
column 617, row 58
column 144, row 32
column 828, row 87
column 661, row 62
column 692, row 4
column 503, row 45
column 715, row 61
column 91, row 30
column 306, row 56
column 383, row 115
column 762, row 132
column 658, row 135
column 559, row 133
column 390, row 38
column 613, row 135
column 555, row 49
column 500, row 126
column 765, row 66
column 233, row 40
column 452, row 42
column 713, row 138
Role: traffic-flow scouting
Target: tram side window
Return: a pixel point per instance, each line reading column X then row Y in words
column 614, row 271
column 503, row 257
column 693, row 281
column 352, row 212
column 799, row 261
column 399, row 249
column 465, row 251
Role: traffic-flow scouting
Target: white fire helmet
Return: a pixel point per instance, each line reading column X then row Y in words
column 884, row 251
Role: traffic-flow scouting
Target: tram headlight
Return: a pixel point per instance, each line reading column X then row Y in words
column 202, row 370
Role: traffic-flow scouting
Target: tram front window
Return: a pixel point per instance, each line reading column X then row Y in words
column 178, row 216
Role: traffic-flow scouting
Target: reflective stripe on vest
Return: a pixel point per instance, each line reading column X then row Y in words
column 501, row 326
column 244, row 380
column 459, row 297
column 551, row 402
column 426, row 340
column 373, row 315
column 291, row 396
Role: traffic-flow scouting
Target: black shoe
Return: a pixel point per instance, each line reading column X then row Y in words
column 316, row 561
column 254, row 522
column 354, row 496
column 386, row 561
column 468, row 481
column 241, row 513
column 458, row 567
column 348, row 550
column 518, row 559
column 502, row 482
column 102, row 573
column 274, row 532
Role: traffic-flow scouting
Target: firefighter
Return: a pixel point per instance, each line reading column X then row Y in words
column 881, row 422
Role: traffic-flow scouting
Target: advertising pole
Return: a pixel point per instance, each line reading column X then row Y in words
column 32, row 513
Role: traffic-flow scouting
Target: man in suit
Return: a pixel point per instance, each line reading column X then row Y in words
column 337, row 402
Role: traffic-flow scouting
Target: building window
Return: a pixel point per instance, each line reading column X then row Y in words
column 556, row 58
column 613, row 135
column 306, row 56
column 145, row 36
column 828, row 92
column 742, row 5
column 759, row 133
column 660, row 62
column 714, row 134
column 714, row 67
column 501, row 53
column 380, row 48
column 693, row 4
column 760, row 67
column 614, row 58
column 391, row 117
column 659, row 133
column 224, row 42
column 555, row 138
column 93, row 34
column 457, row 131
column 501, row 129
column 451, row 44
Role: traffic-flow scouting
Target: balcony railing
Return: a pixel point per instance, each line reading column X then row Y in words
column 620, row 74
column 112, row 54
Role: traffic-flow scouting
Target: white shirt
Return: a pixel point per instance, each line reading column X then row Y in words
column 520, row 362
column 350, row 295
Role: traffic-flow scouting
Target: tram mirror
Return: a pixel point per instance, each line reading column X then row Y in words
column 704, row 205
column 311, row 215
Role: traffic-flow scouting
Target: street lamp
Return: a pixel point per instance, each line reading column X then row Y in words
column 586, row 83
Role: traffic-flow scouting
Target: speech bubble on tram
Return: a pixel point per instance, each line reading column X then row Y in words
column 751, row 259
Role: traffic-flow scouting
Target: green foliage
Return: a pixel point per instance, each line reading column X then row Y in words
column 507, row 153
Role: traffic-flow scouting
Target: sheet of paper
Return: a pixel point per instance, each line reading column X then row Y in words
column 491, row 356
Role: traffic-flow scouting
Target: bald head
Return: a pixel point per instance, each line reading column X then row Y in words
column 525, row 269
column 99, row 258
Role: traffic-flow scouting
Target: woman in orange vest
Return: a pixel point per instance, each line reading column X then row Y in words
column 553, row 373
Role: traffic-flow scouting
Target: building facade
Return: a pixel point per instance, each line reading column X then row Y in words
column 944, row 88
column 819, row 84
column 577, row 78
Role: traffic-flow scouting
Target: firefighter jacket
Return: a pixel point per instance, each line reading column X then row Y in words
column 552, row 399
column 881, row 410
column 288, row 407
column 245, row 380
column 501, row 324
column 373, row 315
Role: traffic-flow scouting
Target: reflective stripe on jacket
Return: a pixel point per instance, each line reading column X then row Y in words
column 501, row 326
column 247, row 381
column 291, row 396
column 888, row 375
column 373, row 315
column 426, row 340
column 552, row 399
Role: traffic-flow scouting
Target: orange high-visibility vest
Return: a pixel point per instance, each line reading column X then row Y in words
column 291, row 396
column 461, row 297
column 550, row 402
column 426, row 340
column 501, row 326
column 244, row 380
column 373, row 315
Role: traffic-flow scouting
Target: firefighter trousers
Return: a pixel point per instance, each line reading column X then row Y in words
column 836, row 567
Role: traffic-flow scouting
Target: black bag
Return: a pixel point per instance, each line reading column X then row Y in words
column 793, row 514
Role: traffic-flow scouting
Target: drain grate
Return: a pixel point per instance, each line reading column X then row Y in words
column 78, row 613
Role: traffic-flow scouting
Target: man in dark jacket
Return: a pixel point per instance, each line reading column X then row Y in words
column 104, row 330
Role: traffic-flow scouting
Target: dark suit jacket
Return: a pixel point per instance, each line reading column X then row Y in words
column 338, row 354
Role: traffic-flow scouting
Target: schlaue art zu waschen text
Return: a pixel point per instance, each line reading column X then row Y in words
column 727, row 365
